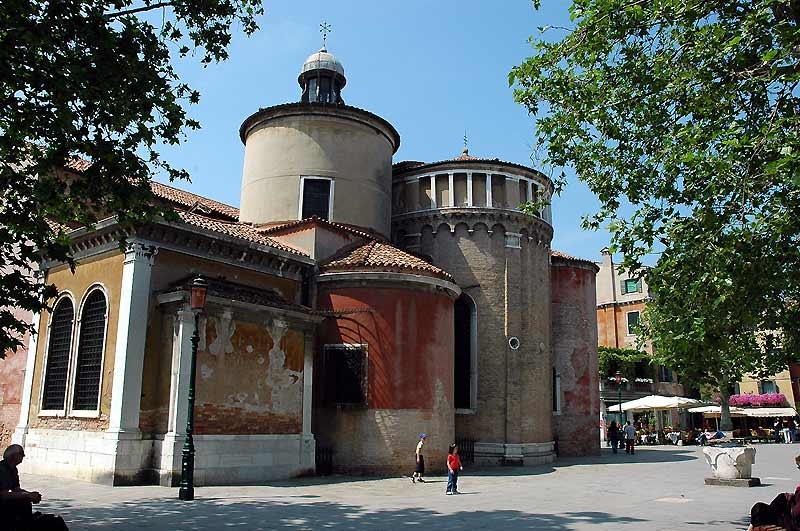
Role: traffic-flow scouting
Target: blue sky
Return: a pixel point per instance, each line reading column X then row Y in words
column 432, row 68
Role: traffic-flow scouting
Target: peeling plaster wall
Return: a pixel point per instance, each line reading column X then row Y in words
column 249, row 377
column 409, row 336
column 232, row 352
column 575, row 358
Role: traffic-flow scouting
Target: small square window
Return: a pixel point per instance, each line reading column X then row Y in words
column 345, row 374
column 631, row 285
column 633, row 323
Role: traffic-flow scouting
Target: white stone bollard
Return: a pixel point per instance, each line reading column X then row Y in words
column 731, row 464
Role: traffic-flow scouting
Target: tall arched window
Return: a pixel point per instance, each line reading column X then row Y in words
column 54, row 388
column 465, row 353
column 90, row 352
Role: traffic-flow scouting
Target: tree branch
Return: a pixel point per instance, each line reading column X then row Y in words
column 138, row 10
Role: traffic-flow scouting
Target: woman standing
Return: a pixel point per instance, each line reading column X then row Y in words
column 613, row 435
column 453, row 467
column 419, row 470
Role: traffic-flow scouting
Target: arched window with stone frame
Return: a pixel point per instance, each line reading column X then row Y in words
column 59, row 347
column 89, row 355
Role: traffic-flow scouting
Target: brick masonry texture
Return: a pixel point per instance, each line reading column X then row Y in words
column 12, row 376
column 511, row 290
column 575, row 357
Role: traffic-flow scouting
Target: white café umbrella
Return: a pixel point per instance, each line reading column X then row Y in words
column 656, row 402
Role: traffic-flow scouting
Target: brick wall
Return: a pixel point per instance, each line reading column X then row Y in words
column 12, row 375
column 575, row 357
column 511, row 290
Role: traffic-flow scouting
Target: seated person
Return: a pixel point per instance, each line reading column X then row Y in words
column 783, row 511
column 16, row 512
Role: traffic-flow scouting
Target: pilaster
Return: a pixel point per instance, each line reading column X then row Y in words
column 25, row 405
column 131, row 332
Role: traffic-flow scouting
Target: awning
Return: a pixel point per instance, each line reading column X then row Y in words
column 656, row 402
column 770, row 412
column 714, row 411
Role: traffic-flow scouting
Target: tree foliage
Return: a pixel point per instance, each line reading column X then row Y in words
column 91, row 80
column 624, row 360
column 682, row 118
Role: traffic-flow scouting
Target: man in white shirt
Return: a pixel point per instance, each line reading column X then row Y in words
column 630, row 437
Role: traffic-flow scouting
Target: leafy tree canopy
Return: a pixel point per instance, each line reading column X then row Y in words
column 95, row 81
column 624, row 360
column 682, row 118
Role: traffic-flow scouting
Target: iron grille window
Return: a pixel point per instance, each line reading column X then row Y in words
column 90, row 352
column 55, row 380
column 316, row 198
column 345, row 369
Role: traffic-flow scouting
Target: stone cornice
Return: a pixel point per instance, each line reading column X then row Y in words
column 375, row 278
column 342, row 112
column 604, row 305
column 513, row 221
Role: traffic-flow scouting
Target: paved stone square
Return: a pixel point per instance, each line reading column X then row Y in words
column 658, row 488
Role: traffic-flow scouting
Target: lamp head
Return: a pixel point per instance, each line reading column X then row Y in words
column 199, row 288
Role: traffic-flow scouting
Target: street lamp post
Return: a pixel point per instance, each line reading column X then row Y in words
column 197, row 302
column 618, row 379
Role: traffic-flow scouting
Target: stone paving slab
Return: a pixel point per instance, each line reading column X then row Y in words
column 659, row 488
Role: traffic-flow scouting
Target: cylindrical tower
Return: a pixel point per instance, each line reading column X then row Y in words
column 464, row 216
column 318, row 157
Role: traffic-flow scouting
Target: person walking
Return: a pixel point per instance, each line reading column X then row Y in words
column 453, row 468
column 630, row 437
column 787, row 437
column 613, row 435
column 419, row 469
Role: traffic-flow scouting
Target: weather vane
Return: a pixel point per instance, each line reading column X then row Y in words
column 324, row 28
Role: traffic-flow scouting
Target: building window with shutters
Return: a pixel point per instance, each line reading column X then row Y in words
column 631, row 285
column 89, row 355
column 316, row 198
column 344, row 367
column 59, row 347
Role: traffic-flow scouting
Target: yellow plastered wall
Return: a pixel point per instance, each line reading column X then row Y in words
column 782, row 380
column 105, row 270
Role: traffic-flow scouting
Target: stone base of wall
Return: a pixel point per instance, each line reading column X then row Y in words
column 96, row 456
column 524, row 454
column 127, row 459
column 236, row 459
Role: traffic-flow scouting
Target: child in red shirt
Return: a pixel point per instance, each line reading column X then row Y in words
column 453, row 467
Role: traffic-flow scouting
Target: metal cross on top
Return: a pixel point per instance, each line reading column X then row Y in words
column 324, row 28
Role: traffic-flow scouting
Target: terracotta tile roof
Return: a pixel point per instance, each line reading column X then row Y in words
column 201, row 204
column 570, row 258
column 180, row 198
column 237, row 230
column 380, row 256
column 292, row 226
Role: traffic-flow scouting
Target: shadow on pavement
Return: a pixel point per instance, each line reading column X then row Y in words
column 207, row 515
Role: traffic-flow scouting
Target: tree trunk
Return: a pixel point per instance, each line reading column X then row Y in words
column 725, row 421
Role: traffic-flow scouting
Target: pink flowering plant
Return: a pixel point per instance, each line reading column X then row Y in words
column 761, row 400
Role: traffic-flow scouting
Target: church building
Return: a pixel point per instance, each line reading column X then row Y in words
column 352, row 304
